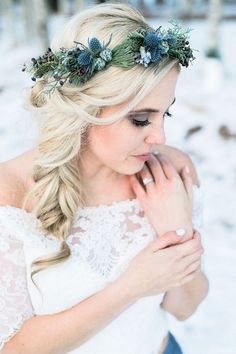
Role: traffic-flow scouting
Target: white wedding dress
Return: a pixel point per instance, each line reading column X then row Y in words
column 103, row 241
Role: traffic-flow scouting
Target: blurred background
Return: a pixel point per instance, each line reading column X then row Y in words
column 203, row 125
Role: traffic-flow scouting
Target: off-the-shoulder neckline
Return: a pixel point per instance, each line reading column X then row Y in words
column 114, row 204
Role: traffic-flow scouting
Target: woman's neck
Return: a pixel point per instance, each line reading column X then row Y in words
column 99, row 190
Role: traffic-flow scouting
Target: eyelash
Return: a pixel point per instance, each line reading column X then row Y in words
column 139, row 123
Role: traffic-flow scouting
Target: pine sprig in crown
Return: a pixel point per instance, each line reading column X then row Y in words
column 143, row 46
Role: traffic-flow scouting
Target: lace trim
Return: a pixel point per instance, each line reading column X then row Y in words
column 15, row 329
column 198, row 195
column 116, row 204
column 30, row 223
column 24, row 226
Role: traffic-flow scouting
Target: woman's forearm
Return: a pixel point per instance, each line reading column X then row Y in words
column 182, row 302
column 62, row 332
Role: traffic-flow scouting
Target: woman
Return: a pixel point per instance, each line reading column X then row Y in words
column 97, row 240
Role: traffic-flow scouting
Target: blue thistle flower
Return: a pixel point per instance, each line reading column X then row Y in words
column 143, row 46
column 85, row 58
column 155, row 54
column 151, row 40
column 95, row 45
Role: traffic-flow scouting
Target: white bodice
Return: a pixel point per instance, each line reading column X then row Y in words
column 103, row 241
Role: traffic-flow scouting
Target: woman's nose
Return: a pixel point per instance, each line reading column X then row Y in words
column 156, row 135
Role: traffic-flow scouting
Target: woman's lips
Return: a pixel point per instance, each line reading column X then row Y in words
column 143, row 157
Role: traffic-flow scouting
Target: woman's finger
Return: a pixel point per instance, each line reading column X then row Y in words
column 148, row 180
column 195, row 266
column 189, row 277
column 168, row 239
column 187, row 181
column 188, row 247
column 197, row 236
column 167, row 167
column 156, row 168
column 188, row 260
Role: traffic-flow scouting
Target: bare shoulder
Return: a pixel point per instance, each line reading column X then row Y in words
column 179, row 159
column 12, row 180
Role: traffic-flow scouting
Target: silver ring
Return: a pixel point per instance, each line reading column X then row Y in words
column 147, row 180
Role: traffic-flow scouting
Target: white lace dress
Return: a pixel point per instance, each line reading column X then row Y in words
column 103, row 241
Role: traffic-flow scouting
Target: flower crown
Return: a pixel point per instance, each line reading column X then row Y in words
column 143, row 46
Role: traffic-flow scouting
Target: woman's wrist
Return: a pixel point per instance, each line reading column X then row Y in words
column 122, row 285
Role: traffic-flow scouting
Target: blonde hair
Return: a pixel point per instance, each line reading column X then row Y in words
column 65, row 116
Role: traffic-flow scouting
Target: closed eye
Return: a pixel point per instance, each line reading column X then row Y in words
column 140, row 123
column 143, row 122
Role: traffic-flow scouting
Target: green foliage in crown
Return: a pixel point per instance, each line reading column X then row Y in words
column 141, row 47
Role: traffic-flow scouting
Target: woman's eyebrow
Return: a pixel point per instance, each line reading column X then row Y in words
column 150, row 110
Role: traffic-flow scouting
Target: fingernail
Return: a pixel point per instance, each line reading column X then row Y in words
column 187, row 169
column 180, row 232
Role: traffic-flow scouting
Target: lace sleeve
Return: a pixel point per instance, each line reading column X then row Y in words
column 15, row 304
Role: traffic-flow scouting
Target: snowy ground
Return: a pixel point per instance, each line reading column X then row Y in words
column 205, row 98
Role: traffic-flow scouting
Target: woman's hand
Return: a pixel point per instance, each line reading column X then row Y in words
column 164, row 264
column 167, row 201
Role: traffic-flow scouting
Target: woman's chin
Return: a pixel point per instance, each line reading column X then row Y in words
column 135, row 169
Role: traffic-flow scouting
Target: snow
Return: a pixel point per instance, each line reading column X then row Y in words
column 206, row 98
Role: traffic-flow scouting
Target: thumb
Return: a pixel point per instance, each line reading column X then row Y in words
column 168, row 239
